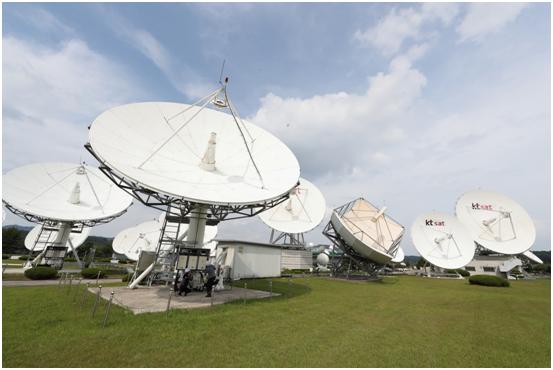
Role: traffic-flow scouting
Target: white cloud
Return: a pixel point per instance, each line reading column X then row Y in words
column 402, row 24
column 50, row 95
column 340, row 126
column 482, row 19
column 42, row 20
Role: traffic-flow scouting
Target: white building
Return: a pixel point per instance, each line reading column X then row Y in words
column 499, row 265
column 244, row 259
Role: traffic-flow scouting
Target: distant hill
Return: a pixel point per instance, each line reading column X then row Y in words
column 13, row 242
column 545, row 256
column 18, row 227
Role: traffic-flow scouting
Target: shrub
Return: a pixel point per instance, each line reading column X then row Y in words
column 295, row 271
column 488, row 280
column 92, row 273
column 24, row 258
column 41, row 273
column 126, row 278
column 70, row 259
column 5, row 256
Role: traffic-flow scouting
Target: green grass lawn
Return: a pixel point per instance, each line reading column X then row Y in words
column 402, row 322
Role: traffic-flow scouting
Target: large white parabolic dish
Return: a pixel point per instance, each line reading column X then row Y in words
column 368, row 230
column 496, row 222
column 139, row 142
column 302, row 212
column 77, row 239
column 442, row 240
column 49, row 191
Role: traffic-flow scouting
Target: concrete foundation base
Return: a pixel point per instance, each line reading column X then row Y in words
column 154, row 299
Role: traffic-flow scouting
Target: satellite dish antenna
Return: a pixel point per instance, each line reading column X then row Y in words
column 62, row 196
column 365, row 233
column 496, row 222
column 302, row 212
column 33, row 241
column 199, row 164
column 442, row 240
column 532, row 257
column 399, row 256
column 145, row 237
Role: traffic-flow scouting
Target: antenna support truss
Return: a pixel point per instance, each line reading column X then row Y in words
column 51, row 222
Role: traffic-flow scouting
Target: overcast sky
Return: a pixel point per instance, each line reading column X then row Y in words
column 408, row 106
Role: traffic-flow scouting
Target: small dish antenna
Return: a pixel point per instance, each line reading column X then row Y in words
column 302, row 212
column 442, row 240
column 496, row 222
column 146, row 237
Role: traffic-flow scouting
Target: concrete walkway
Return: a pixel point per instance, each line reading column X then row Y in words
column 54, row 282
column 154, row 299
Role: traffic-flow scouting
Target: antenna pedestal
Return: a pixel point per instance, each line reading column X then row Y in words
column 196, row 230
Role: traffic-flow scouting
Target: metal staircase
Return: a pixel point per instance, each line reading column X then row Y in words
column 43, row 240
column 166, row 251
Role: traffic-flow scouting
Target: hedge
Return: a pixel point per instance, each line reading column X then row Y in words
column 41, row 273
column 488, row 280
column 6, row 256
column 92, row 273
column 24, row 258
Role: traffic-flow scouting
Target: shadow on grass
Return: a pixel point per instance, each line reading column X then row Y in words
column 286, row 288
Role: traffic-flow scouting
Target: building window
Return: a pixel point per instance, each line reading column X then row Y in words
column 470, row 268
column 489, row 269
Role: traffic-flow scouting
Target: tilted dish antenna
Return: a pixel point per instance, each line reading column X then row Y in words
column 302, row 212
column 364, row 231
column 496, row 222
column 442, row 240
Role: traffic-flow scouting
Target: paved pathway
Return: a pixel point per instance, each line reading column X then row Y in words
column 154, row 299
column 53, row 282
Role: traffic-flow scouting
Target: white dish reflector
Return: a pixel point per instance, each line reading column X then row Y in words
column 77, row 239
column 532, row 257
column 302, row 212
column 496, row 222
column 442, row 240
column 399, row 256
column 195, row 154
column 63, row 192
column 367, row 230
